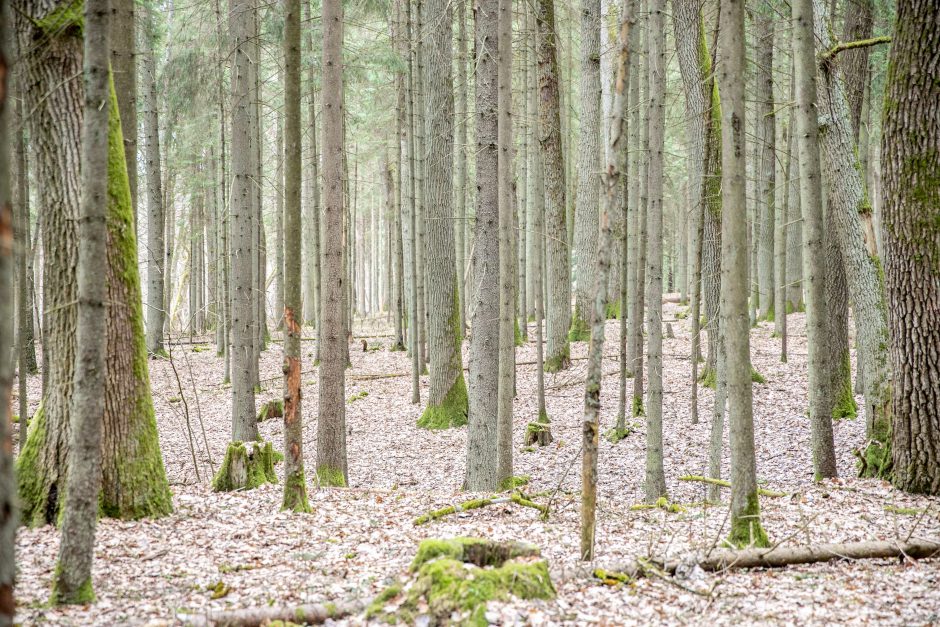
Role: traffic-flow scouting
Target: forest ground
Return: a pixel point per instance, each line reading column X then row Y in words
column 358, row 540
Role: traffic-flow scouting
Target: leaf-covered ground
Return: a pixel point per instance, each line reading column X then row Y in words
column 226, row 551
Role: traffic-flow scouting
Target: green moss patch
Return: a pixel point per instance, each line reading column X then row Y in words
column 244, row 469
column 560, row 361
column 580, row 330
column 271, row 409
column 746, row 529
column 452, row 412
column 453, row 580
column 361, row 394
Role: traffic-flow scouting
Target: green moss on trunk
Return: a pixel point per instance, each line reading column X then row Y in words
column 271, row 409
column 295, row 493
column 452, row 412
column 844, row 405
column 560, row 361
column 331, row 477
column 243, row 469
column 83, row 595
column 580, row 330
column 746, row 529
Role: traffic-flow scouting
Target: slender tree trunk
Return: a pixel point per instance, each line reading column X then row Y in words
column 72, row 580
column 636, row 323
column 124, row 69
column 655, row 485
column 156, row 219
column 782, row 201
column 482, row 458
column 911, row 171
column 589, row 154
column 460, row 159
column 295, row 485
column 814, row 266
column 507, row 301
column 447, row 397
column 8, row 513
column 746, row 529
column 279, row 193
column 331, row 426
column 553, row 171
column 766, row 163
column 311, row 254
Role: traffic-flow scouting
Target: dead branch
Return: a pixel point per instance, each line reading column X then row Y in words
column 516, row 498
column 727, row 484
column 307, row 614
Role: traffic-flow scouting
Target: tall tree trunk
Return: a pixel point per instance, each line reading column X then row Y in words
column 8, row 515
column 156, row 218
column 766, row 163
column 295, row 485
column 311, row 226
column 558, row 272
column 244, row 421
column 460, row 159
column 814, row 265
column 279, row 193
column 858, row 24
column 447, row 397
column 746, row 529
column 642, row 216
column 589, row 155
column 911, row 171
column 507, row 283
column 482, row 461
column 655, row 485
column 331, row 426
column 72, row 580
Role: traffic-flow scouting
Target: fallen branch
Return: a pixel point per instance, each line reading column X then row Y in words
column 776, row 557
column 307, row 614
column 516, row 498
column 727, row 484
column 852, row 45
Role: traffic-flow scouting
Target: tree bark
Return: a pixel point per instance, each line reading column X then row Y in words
column 156, row 218
column 72, row 579
column 746, row 529
column 311, row 252
column 558, row 271
column 766, row 163
column 482, row 457
column 123, row 38
column 814, row 265
column 331, row 426
column 911, row 171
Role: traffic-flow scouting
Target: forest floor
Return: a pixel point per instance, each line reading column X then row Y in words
column 358, row 540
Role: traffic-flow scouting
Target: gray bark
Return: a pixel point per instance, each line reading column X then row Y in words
column 156, row 218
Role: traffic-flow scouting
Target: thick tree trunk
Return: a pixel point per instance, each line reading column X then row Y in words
column 124, row 69
column 331, row 426
column 911, row 171
column 558, row 272
column 482, row 459
column 814, row 265
column 460, row 160
column 746, row 529
column 447, row 397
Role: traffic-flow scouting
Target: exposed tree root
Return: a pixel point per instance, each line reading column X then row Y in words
column 727, row 484
column 517, row 498
column 307, row 614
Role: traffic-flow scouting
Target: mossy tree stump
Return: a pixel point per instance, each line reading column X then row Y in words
column 245, row 467
column 454, row 579
column 538, row 433
column 271, row 409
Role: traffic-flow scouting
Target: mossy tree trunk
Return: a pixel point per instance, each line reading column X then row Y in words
column 911, row 174
column 447, row 397
column 745, row 509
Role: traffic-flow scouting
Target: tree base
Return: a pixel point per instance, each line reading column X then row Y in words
column 243, row 469
column 452, row 412
column 539, row 433
column 271, row 409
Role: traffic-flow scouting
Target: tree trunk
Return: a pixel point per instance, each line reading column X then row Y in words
column 72, row 579
column 156, row 218
column 311, row 252
column 447, row 397
column 460, row 160
column 331, row 426
column 124, row 69
column 655, row 486
column 295, row 485
column 766, row 163
column 850, row 207
column 558, row 272
column 746, row 529
column 642, row 216
column 911, row 171
column 482, row 459
column 279, row 193
column 589, row 184
column 814, row 265
column 244, row 424
column 8, row 515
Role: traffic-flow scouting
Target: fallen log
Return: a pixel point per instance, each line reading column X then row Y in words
column 780, row 557
column 727, row 484
column 306, row 614
column 516, row 498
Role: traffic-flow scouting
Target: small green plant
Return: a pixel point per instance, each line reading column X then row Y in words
column 357, row 396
